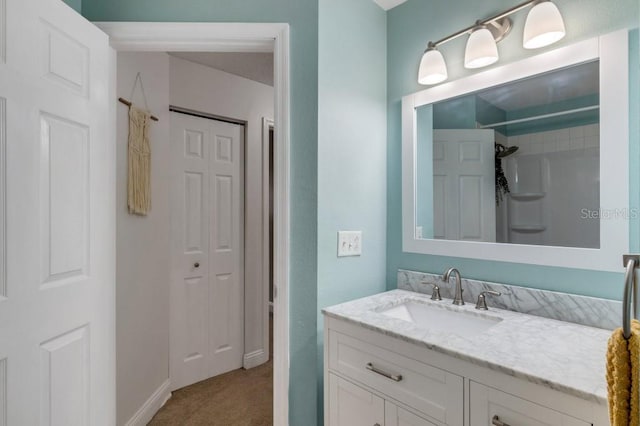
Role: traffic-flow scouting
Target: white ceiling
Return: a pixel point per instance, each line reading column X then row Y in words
column 254, row 66
column 389, row 4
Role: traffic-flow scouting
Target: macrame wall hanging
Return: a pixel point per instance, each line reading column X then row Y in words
column 139, row 154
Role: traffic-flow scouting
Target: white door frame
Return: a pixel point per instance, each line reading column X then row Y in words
column 240, row 37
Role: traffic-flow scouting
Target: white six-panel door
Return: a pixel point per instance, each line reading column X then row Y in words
column 464, row 185
column 57, row 218
column 207, row 290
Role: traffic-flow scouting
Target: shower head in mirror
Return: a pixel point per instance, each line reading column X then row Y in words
column 504, row 151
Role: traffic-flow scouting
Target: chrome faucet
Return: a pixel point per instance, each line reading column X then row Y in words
column 457, row 298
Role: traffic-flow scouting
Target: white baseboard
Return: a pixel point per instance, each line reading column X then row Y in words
column 254, row 359
column 151, row 406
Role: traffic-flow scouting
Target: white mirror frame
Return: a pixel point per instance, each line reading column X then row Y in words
column 613, row 52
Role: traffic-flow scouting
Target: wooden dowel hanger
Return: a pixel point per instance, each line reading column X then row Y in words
column 127, row 103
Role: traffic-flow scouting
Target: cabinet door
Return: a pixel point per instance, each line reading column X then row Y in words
column 350, row 405
column 487, row 403
column 396, row 416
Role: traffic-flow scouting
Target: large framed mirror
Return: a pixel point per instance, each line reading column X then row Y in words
column 523, row 163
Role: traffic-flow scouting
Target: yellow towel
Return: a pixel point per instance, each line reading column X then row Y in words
column 623, row 377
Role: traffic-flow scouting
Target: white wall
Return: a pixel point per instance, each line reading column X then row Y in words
column 204, row 89
column 142, row 289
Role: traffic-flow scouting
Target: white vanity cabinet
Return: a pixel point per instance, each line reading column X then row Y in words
column 369, row 383
column 352, row 405
column 376, row 379
column 489, row 403
column 397, row 416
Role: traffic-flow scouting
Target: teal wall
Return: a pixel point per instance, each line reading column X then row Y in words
column 409, row 28
column 352, row 152
column 76, row 4
column 302, row 15
column 465, row 112
column 554, row 123
column 458, row 113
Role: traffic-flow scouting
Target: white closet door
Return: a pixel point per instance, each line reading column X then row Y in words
column 207, row 294
column 57, row 218
column 226, row 250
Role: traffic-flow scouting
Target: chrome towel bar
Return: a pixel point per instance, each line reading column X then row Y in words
column 631, row 262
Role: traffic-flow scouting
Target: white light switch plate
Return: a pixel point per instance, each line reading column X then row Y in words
column 349, row 243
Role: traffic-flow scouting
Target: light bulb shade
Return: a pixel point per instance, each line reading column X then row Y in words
column 433, row 69
column 544, row 26
column 481, row 49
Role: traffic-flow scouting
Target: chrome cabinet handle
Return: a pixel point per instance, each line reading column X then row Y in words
column 394, row 377
column 497, row 422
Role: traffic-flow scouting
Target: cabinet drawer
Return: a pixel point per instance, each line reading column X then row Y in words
column 486, row 403
column 434, row 392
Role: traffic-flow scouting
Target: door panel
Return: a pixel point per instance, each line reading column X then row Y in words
column 64, row 199
column 222, row 214
column 57, row 293
column 470, row 202
column 195, row 338
column 65, row 384
column 207, row 222
column 194, row 212
column 65, row 59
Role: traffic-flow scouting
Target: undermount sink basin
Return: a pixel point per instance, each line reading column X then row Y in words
column 441, row 319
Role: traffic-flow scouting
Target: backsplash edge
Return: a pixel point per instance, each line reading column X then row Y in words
column 584, row 310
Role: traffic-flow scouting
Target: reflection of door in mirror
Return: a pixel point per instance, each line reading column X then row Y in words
column 455, row 185
column 463, row 185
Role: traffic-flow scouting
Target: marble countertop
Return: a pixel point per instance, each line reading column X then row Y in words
column 567, row 357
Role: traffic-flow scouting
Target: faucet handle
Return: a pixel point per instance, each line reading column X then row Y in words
column 482, row 299
column 435, row 295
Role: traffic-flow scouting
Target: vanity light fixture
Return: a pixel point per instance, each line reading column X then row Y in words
column 543, row 27
column 433, row 69
column 481, row 50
